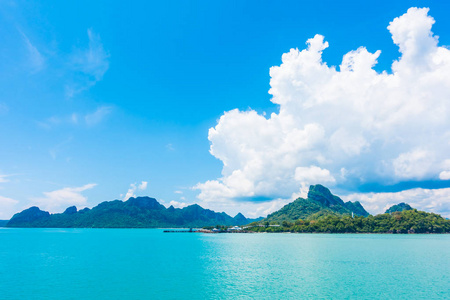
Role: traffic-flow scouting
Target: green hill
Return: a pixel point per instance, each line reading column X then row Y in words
column 407, row 221
column 398, row 207
column 325, row 212
column 140, row 212
column 320, row 202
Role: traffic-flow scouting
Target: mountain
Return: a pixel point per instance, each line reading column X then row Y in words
column 398, row 207
column 140, row 212
column 320, row 202
column 3, row 223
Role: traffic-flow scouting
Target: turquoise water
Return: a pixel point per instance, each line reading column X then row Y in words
column 150, row 264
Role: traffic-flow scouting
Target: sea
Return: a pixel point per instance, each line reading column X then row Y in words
column 151, row 264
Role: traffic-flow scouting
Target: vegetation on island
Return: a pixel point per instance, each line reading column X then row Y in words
column 325, row 212
column 407, row 221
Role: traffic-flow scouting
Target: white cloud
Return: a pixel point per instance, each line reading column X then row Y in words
column 132, row 189
column 306, row 175
column 248, row 208
column 7, row 207
column 437, row 201
column 4, row 178
column 35, row 58
column 91, row 65
column 59, row 200
column 170, row 147
column 177, row 204
column 55, row 150
column 416, row 164
column 444, row 175
column 90, row 118
column 94, row 61
column 99, row 115
column 341, row 125
column 143, row 185
column 131, row 192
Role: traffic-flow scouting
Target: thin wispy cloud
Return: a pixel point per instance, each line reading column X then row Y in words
column 55, row 150
column 36, row 60
column 97, row 116
column 90, row 64
column 78, row 119
column 4, row 178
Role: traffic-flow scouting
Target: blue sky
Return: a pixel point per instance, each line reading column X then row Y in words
column 97, row 97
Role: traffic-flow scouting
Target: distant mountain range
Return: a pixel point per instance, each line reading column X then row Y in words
column 140, row 212
column 320, row 202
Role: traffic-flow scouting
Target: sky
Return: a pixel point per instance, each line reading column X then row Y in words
column 238, row 106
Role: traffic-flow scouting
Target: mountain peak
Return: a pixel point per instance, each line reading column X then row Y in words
column 320, row 202
column 70, row 210
column 239, row 215
column 144, row 202
column 323, row 195
column 27, row 216
column 399, row 207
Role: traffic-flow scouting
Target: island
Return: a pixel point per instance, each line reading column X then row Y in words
column 323, row 212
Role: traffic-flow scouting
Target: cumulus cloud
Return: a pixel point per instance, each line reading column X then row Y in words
column 437, row 200
column 59, row 200
column 143, row 185
column 133, row 187
column 250, row 209
column 131, row 192
column 341, row 126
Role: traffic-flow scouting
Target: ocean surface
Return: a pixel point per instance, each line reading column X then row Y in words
column 150, row 264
